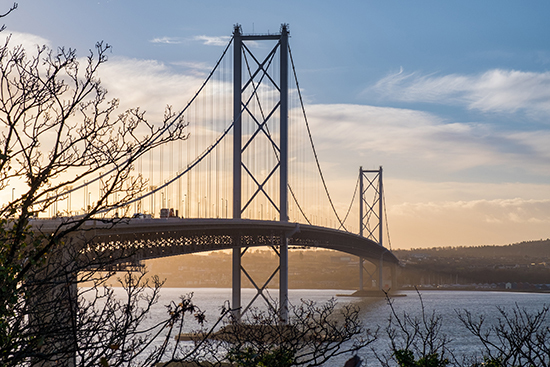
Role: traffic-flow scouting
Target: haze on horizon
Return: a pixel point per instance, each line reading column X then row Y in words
column 451, row 98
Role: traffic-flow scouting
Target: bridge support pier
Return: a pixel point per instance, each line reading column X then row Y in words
column 375, row 277
column 381, row 273
column 361, row 261
column 391, row 284
column 236, row 280
column 393, row 268
column 283, row 279
column 382, row 276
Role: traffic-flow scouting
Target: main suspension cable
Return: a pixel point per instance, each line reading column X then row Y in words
column 386, row 218
column 312, row 144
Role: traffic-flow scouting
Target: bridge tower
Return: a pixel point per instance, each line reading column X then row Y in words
column 246, row 88
column 371, row 214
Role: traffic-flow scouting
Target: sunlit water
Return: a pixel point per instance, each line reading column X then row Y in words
column 375, row 311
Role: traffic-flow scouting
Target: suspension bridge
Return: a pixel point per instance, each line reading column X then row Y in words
column 247, row 175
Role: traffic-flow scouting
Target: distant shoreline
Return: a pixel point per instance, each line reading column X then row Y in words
column 479, row 290
column 351, row 290
column 399, row 289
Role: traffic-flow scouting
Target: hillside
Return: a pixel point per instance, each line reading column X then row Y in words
column 533, row 249
column 525, row 262
column 522, row 264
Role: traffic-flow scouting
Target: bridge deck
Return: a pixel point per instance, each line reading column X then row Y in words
column 154, row 238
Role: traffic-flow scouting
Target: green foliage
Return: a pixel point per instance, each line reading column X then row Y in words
column 405, row 358
column 490, row 362
column 14, row 254
column 251, row 357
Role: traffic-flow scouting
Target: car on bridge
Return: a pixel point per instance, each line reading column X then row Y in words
column 141, row 216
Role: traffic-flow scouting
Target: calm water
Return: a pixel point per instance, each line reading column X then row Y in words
column 375, row 312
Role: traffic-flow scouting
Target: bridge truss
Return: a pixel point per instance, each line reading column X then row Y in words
column 269, row 114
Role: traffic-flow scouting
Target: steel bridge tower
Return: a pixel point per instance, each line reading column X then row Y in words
column 371, row 221
column 244, row 89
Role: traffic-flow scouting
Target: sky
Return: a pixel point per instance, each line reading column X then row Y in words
column 452, row 98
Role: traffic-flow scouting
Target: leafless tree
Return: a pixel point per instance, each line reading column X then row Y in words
column 315, row 334
column 518, row 338
column 414, row 340
column 12, row 8
column 58, row 129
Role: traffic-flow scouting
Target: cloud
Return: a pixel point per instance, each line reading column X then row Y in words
column 516, row 210
column 409, row 190
column 206, row 40
column 213, row 41
column 166, row 40
column 194, row 65
column 497, row 90
column 30, row 42
column 423, row 140
column 198, row 69
column 149, row 84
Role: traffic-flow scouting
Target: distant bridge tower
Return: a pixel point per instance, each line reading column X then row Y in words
column 371, row 216
column 247, row 91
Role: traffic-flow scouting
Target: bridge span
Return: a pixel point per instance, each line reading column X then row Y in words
column 143, row 239
column 251, row 156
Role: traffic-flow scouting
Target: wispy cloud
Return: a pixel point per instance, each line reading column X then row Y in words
column 206, row 40
column 198, row 69
column 497, row 90
column 515, row 210
column 193, row 65
column 213, row 41
column 166, row 40
column 414, row 137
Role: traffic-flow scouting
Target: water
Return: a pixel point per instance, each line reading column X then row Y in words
column 375, row 311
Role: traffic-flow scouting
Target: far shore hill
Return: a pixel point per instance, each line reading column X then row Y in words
column 519, row 266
